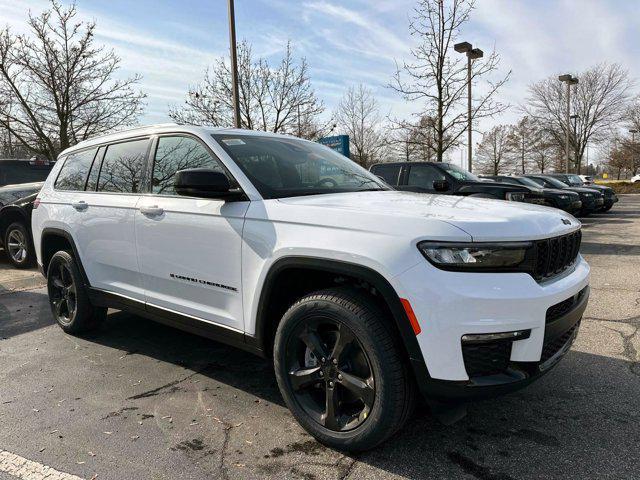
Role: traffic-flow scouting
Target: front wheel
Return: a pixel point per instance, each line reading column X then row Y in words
column 68, row 298
column 340, row 370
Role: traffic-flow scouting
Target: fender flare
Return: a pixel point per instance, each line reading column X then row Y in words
column 374, row 278
column 58, row 232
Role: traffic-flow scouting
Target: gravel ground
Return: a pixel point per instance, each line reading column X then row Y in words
column 141, row 400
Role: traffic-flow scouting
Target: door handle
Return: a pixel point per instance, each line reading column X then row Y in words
column 81, row 205
column 154, row 211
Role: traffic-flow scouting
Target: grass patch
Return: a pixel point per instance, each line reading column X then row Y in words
column 622, row 187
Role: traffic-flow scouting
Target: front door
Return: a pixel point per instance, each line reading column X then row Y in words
column 189, row 248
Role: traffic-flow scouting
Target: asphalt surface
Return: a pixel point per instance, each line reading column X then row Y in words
column 138, row 400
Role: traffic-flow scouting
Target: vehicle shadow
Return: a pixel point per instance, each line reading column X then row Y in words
column 578, row 421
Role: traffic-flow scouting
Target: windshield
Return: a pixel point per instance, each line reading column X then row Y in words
column 458, row 173
column 574, row 180
column 288, row 167
column 528, row 182
column 555, row 182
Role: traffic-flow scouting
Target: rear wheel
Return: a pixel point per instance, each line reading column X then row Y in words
column 340, row 370
column 68, row 298
column 18, row 245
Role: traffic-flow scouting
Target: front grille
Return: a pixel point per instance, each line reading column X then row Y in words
column 555, row 255
column 486, row 358
column 552, row 346
column 559, row 309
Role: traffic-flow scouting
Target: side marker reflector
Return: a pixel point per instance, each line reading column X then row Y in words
column 412, row 316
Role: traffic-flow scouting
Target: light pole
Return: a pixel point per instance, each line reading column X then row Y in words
column 234, row 65
column 574, row 117
column 633, row 132
column 570, row 80
column 472, row 54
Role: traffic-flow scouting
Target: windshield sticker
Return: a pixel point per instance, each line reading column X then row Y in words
column 232, row 141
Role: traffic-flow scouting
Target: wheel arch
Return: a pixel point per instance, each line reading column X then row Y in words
column 266, row 321
column 9, row 215
column 53, row 240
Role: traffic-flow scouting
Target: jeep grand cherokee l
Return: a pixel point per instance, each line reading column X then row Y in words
column 573, row 180
column 287, row 249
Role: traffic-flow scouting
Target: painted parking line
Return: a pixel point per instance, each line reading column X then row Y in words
column 27, row 469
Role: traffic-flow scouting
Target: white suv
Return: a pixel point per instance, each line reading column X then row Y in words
column 285, row 248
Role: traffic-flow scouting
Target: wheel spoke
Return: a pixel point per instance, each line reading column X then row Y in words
column 330, row 416
column 57, row 282
column 345, row 337
column 313, row 341
column 57, row 304
column 361, row 388
column 61, row 271
column 13, row 245
column 304, row 377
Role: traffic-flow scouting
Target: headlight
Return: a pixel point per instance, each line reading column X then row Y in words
column 515, row 196
column 588, row 195
column 563, row 197
column 475, row 256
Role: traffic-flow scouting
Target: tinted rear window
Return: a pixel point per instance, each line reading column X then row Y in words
column 121, row 169
column 74, row 171
column 389, row 173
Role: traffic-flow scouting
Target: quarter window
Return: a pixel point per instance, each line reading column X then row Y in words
column 122, row 167
column 73, row 174
column 179, row 153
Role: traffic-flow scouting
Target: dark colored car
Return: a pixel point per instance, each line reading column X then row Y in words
column 563, row 199
column 15, row 231
column 573, row 180
column 24, row 171
column 591, row 199
column 448, row 179
column 11, row 193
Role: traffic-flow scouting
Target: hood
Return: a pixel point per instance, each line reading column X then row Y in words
column 600, row 188
column 557, row 191
column 482, row 219
column 506, row 187
column 582, row 190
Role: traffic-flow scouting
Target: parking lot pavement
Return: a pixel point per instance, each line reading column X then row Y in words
column 141, row 400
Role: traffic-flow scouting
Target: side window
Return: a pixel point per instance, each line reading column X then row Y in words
column 540, row 182
column 179, row 153
column 424, row 176
column 92, row 179
column 389, row 173
column 74, row 171
column 122, row 167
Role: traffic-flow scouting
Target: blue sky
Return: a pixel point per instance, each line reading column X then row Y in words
column 170, row 43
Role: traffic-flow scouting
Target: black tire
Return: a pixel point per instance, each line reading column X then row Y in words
column 606, row 209
column 68, row 297
column 18, row 246
column 369, row 343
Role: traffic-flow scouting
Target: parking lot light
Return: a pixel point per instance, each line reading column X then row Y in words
column 569, row 80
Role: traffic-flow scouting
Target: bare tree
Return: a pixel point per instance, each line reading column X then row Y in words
column 543, row 150
column 521, row 143
column 358, row 115
column 275, row 99
column 492, row 155
column 437, row 76
column 599, row 101
column 57, row 88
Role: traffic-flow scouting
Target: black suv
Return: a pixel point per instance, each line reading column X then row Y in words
column 445, row 178
column 554, row 197
column 15, row 231
column 592, row 200
column 574, row 180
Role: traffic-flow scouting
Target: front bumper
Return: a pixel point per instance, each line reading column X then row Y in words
column 449, row 305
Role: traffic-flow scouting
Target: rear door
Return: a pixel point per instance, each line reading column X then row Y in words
column 189, row 248
column 105, row 230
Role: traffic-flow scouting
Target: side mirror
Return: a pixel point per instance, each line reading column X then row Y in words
column 202, row 182
column 440, row 185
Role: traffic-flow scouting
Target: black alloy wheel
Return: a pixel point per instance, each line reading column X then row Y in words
column 62, row 293
column 330, row 373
